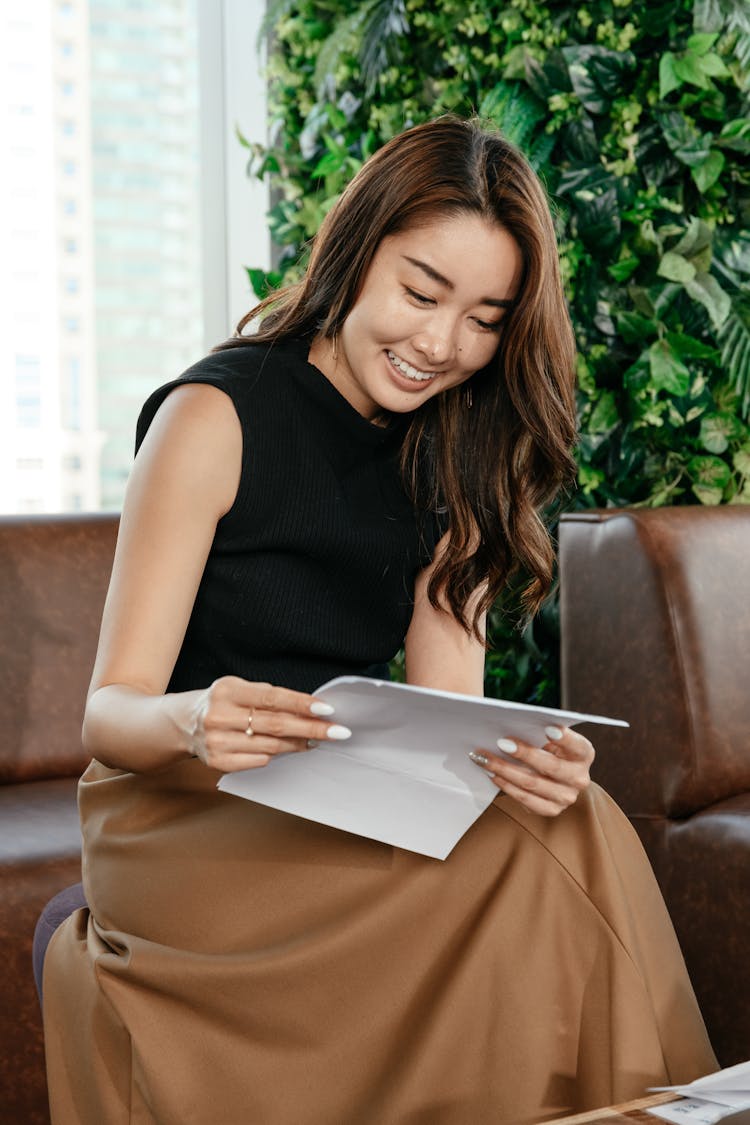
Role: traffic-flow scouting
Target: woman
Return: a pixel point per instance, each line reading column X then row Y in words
column 367, row 469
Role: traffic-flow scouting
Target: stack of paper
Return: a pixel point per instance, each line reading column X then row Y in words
column 405, row 776
column 723, row 1096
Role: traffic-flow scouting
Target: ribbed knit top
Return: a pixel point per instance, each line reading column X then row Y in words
column 311, row 572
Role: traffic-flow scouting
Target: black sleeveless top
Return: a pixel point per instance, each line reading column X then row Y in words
column 311, row 572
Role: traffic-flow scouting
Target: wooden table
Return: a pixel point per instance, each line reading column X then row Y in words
column 630, row 1113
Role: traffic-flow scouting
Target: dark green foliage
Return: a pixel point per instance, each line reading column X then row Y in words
column 636, row 116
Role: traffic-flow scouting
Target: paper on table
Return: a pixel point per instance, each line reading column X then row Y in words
column 694, row 1112
column 729, row 1088
column 404, row 777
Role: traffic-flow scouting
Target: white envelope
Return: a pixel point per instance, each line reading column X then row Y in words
column 404, row 777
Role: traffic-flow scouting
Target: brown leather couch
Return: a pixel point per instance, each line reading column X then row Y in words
column 655, row 625
column 54, row 572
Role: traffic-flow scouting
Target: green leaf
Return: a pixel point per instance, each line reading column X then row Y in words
column 706, row 289
column 596, row 74
column 714, row 67
column 589, row 478
column 676, row 268
column 709, row 476
column 263, row 283
column 635, row 328
column 605, row 415
column 688, row 347
column 717, row 430
column 668, row 372
column 702, row 42
column 706, row 174
column 708, row 15
column 684, row 140
column 668, row 78
column 598, row 217
column 741, row 459
column 736, row 135
column 697, row 237
column 515, row 110
column 330, row 162
column 622, row 270
column 734, row 338
column 689, row 69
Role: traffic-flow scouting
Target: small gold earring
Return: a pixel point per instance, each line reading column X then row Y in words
column 335, row 346
column 469, row 398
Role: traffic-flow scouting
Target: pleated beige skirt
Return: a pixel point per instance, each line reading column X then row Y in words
column 240, row 966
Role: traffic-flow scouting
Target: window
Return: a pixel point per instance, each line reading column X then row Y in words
column 71, row 393
column 28, row 388
column 135, row 286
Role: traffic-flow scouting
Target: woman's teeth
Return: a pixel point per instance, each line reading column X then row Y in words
column 409, row 371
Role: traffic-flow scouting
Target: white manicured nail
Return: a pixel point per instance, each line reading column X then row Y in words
column 338, row 733
column 480, row 759
column 507, row 744
column 320, row 708
column 553, row 733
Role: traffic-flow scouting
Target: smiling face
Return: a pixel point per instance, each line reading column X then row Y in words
column 428, row 316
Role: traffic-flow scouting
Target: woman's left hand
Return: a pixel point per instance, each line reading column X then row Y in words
column 547, row 779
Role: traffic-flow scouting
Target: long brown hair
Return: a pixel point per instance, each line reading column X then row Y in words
column 494, row 466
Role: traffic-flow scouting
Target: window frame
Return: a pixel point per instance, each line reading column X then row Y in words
column 234, row 207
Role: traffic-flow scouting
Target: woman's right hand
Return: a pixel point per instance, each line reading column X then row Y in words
column 240, row 725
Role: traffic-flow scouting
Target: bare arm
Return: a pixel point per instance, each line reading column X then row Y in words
column 439, row 652
column 184, row 479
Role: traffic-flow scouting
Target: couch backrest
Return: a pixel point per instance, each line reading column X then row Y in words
column 655, row 625
column 54, row 572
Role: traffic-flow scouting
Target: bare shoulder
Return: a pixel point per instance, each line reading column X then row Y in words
column 193, row 446
column 185, row 478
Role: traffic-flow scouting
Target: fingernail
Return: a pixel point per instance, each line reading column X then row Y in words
column 553, row 733
column 480, row 759
column 338, row 733
column 507, row 744
column 320, row 708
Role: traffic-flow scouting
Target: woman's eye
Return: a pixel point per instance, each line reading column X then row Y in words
column 420, row 297
column 489, row 325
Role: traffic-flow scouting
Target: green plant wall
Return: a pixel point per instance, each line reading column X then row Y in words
column 636, row 117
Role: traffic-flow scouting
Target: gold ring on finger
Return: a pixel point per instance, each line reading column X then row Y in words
column 249, row 728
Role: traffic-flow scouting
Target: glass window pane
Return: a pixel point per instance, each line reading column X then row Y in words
column 100, row 228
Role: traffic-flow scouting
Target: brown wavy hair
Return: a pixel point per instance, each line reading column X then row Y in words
column 496, row 466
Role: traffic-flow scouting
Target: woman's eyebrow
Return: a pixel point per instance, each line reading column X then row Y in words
column 433, row 275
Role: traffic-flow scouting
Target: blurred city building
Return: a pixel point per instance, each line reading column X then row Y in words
column 102, row 272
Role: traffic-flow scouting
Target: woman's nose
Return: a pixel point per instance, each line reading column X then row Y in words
column 436, row 345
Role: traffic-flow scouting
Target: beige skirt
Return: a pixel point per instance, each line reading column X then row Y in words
column 240, row 966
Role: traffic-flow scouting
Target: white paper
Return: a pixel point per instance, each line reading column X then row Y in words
column 725, row 1092
column 404, row 777
column 691, row 1110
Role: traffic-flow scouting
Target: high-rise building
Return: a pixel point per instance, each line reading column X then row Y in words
column 100, row 264
column 144, row 162
column 49, row 439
